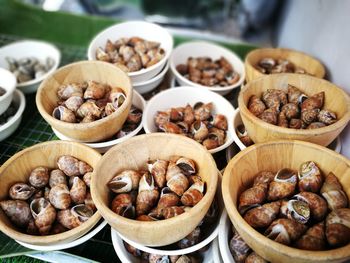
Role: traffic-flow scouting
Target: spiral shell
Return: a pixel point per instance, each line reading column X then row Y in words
column 71, row 166
column 18, row 211
column 296, row 210
column 314, row 102
column 117, row 97
column 176, row 114
column 256, row 106
column 161, row 118
column 134, row 116
column 89, row 108
column 188, row 115
column 202, row 111
column 243, row 135
column 68, row 90
column 78, row 191
column 158, row 169
column 291, row 110
column 270, row 116
column 239, row 249
column 220, row 121
column 89, row 202
column 57, row 177
column 191, row 239
column 59, row 196
column 64, row 114
column 338, row 227
column 199, row 130
column 67, row 219
column 73, row 103
column 283, row 184
column 327, row 117
column 170, row 127
column 39, row 177
column 333, row 192
column 94, row 90
column 313, row 239
column 294, row 95
column 252, row 197
column 87, row 178
column 295, row 123
column 147, row 196
column 21, row 191
column 282, row 120
column 82, row 212
column 194, row 194
column 187, row 166
column 125, row 181
column 262, row 216
column 167, row 198
column 264, row 177
column 317, row 205
column 44, row 215
column 308, row 116
column 122, row 204
column 176, row 180
column 274, row 98
column 310, row 177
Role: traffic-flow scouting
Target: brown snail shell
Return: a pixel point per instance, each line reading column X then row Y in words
column 89, row 202
column 283, row 184
column 71, row 166
column 21, row 191
column 316, row 125
column 64, row 114
column 243, row 135
column 39, row 177
column 285, row 231
column 176, row 114
column 264, row 177
column 295, row 123
column 282, row 120
column 252, row 197
column 338, row 227
column 57, row 177
column 122, row 204
column 187, row 166
column 59, row 196
column 313, row 239
column 202, row 111
column 158, row 169
column 191, row 239
column 147, row 196
column 310, row 177
column 262, row 216
column 161, row 118
column 254, row 258
column 44, row 215
column 184, row 127
column 169, row 212
column 317, row 205
column 125, row 181
column 82, row 212
column 117, row 97
column 146, row 218
column 327, row 117
column 270, row 116
column 67, row 219
column 308, row 116
column 291, row 110
column 89, row 108
column 295, row 95
column 132, row 250
column 333, row 192
column 68, row 90
column 167, row 198
column 314, row 102
column 239, row 249
column 256, row 105
column 170, row 127
column 87, row 178
column 94, row 90
column 217, row 134
column 188, row 114
column 274, row 98
column 220, row 121
column 73, row 103
column 154, row 258
column 57, row 228
column 134, row 116
column 176, row 180
column 78, row 191
column 210, row 143
column 199, row 130
column 18, row 212
column 194, row 194
column 102, row 55
column 296, row 210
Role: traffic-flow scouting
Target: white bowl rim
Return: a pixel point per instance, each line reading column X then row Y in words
column 19, row 112
column 229, row 139
column 54, row 67
column 222, row 237
column 12, row 86
column 212, row 45
column 157, row 77
column 97, row 145
column 131, row 23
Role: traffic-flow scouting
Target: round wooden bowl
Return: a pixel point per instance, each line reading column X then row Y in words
column 336, row 100
column 18, row 168
column 46, row 99
column 133, row 154
column 300, row 59
column 272, row 156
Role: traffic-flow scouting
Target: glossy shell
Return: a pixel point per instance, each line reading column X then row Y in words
column 39, row 177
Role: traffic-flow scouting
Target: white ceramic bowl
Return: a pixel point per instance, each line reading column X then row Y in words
column 146, row 30
column 237, row 120
column 102, row 147
column 200, row 49
column 148, row 85
column 179, row 97
column 8, row 83
column 225, row 230
column 9, row 127
column 30, row 48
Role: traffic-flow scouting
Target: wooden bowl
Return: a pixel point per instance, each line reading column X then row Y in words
column 300, row 59
column 133, row 154
column 272, row 156
column 18, row 168
column 336, row 100
column 46, row 99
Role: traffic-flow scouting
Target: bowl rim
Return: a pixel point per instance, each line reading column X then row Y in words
column 108, row 214
column 154, row 79
column 183, row 90
column 17, row 235
column 223, row 238
column 90, row 50
column 12, row 86
column 337, row 253
column 213, row 46
column 88, row 125
column 337, row 125
column 256, row 51
column 98, row 145
column 53, row 48
column 19, row 112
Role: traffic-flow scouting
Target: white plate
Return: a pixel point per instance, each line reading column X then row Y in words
column 74, row 243
column 103, row 147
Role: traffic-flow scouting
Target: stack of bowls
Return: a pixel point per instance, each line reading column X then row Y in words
column 149, row 78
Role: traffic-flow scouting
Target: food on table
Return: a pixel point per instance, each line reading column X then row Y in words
column 160, row 190
column 292, row 109
column 29, row 68
column 87, row 101
column 208, row 72
column 197, row 122
column 2, row 91
column 8, row 114
column 52, row 201
column 271, row 66
column 242, row 134
column 300, row 208
column 131, row 54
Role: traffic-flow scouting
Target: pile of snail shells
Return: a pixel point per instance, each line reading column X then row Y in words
column 155, row 258
column 197, row 122
column 292, row 109
column 241, row 252
column 272, row 66
column 205, row 71
column 132, row 122
column 87, row 101
column 303, row 208
column 131, row 54
column 53, row 201
column 166, row 189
